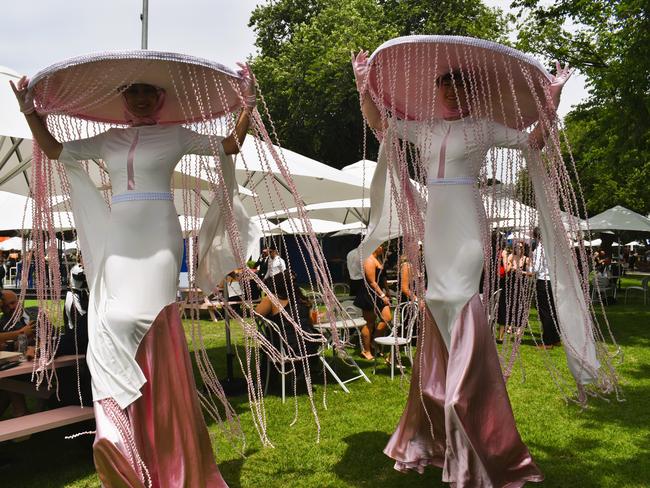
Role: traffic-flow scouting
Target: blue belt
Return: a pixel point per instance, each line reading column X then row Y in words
column 139, row 195
column 460, row 180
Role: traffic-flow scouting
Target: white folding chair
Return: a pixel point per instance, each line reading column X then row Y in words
column 645, row 282
column 493, row 309
column 603, row 285
column 284, row 360
column 341, row 326
column 315, row 297
column 341, row 289
column 406, row 316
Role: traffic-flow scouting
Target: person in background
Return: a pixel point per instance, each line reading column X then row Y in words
column 75, row 338
column 235, row 292
column 545, row 304
column 23, row 324
column 405, row 280
column 632, row 259
column 373, row 299
column 276, row 264
column 517, row 269
column 504, row 268
column 354, row 271
column 3, row 270
column 262, row 263
column 8, row 305
column 283, row 286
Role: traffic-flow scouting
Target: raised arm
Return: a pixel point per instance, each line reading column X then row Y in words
column 537, row 137
column 233, row 142
column 405, row 281
column 370, row 110
column 50, row 146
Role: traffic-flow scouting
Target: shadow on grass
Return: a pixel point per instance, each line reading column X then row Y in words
column 584, row 465
column 364, row 464
column 231, row 470
column 49, row 456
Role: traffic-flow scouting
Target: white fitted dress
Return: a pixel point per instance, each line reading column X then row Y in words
column 133, row 251
column 453, row 246
column 454, row 152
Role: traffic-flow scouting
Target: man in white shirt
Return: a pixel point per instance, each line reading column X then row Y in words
column 275, row 263
column 545, row 305
column 355, row 270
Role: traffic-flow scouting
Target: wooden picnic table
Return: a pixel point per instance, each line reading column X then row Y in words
column 40, row 421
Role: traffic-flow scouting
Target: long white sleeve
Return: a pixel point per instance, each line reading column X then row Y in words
column 573, row 314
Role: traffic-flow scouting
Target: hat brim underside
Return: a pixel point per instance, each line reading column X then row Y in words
column 403, row 73
column 88, row 87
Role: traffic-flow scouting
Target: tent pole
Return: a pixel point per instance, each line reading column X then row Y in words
column 17, row 170
column 144, row 17
column 14, row 147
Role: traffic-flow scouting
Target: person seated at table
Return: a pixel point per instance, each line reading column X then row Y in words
column 373, row 299
column 235, row 291
column 285, row 290
column 8, row 305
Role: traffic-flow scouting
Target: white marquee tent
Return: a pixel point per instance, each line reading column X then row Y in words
column 618, row 218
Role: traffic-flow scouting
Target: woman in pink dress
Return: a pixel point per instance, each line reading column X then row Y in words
column 150, row 428
column 432, row 100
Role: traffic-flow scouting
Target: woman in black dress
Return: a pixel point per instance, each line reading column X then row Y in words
column 373, row 299
column 283, row 286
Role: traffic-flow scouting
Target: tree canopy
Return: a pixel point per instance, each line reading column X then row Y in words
column 304, row 68
column 609, row 134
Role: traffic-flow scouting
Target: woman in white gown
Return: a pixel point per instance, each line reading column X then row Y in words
column 458, row 416
column 133, row 253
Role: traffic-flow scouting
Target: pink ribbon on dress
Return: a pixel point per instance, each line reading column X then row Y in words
column 129, row 163
column 443, row 154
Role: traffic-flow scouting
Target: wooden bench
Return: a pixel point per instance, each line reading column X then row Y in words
column 38, row 422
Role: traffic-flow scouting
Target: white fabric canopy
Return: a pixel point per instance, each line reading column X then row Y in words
column 594, row 243
column 295, row 226
column 316, row 182
column 634, row 244
column 14, row 243
column 343, row 211
column 319, row 226
column 15, row 207
column 618, row 218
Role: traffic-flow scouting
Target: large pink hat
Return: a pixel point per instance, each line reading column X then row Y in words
column 88, row 87
column 404, row 70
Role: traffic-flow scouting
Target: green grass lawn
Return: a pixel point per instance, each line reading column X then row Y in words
column 606, row 445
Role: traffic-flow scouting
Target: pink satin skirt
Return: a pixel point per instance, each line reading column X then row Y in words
column 458, row 415
column 166, row 421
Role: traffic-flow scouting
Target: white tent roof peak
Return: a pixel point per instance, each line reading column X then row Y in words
column 363, row 169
